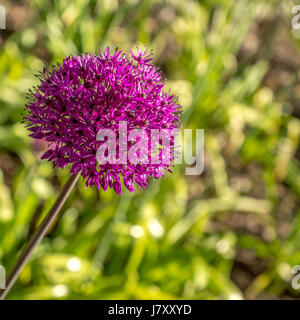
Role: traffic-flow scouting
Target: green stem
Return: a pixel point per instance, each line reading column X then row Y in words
column 39, row 234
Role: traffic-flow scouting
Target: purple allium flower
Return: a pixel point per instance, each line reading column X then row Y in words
column 86, row 93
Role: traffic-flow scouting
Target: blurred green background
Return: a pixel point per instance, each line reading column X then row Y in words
column 232, row 232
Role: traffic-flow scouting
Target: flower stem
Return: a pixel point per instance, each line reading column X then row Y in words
column 39, row 234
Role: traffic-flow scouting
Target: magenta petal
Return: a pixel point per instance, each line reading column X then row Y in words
column 118, row 187
column 47, row 154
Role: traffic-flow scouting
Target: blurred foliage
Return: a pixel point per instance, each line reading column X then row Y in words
column 231, row 233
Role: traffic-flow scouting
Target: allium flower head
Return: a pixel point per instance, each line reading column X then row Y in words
column 84, row 94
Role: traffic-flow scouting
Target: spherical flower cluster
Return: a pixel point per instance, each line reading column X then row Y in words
column 86, row 93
